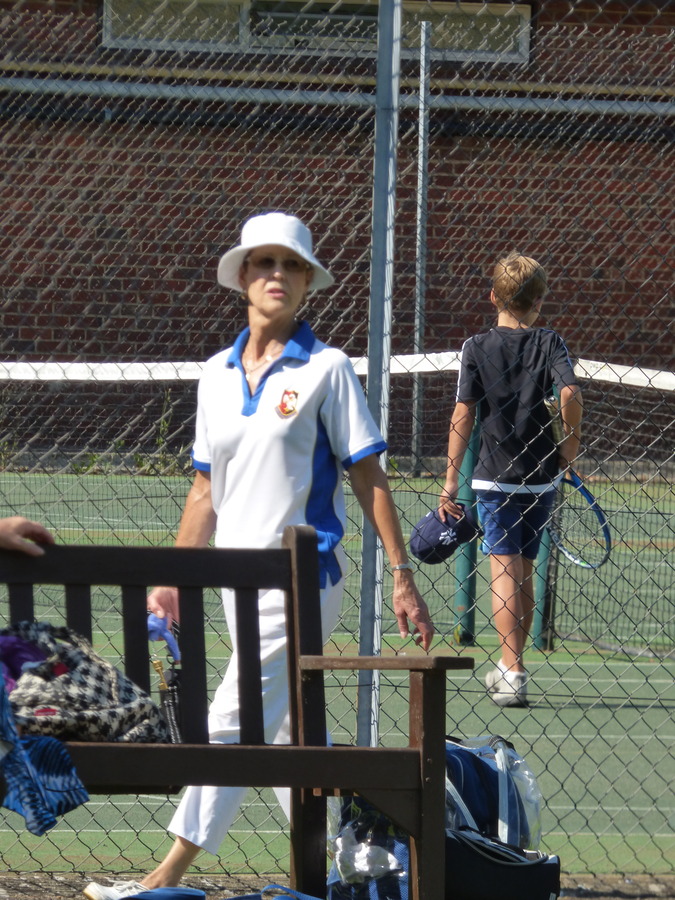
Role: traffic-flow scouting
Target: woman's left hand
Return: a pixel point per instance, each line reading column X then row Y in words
column 410, row 609
column 371, row 487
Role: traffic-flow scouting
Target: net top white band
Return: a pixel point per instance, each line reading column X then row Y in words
column 409, row 364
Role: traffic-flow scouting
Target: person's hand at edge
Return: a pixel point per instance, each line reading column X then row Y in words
column 19, row 533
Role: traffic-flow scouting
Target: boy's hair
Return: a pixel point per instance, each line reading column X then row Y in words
column 518, row 282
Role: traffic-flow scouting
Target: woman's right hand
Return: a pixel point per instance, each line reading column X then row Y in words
column 163, row 602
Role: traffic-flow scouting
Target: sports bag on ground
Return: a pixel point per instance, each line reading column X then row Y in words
column 481, row 868
column 377, row 864
column 490, row 788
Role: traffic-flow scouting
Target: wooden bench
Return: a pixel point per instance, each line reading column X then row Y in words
column 407, row 783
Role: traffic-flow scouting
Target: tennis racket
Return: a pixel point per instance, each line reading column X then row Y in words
column 578, row 526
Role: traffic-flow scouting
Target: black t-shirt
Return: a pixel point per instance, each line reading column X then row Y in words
column 509, row 373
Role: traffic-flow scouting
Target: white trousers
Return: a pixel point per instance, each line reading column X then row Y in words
column 205, row 814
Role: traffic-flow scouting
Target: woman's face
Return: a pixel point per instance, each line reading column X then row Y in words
column 275, row 280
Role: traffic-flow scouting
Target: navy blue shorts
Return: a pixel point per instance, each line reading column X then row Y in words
column 513, row 523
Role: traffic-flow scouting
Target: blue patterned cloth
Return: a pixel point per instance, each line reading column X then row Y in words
column 41, row 781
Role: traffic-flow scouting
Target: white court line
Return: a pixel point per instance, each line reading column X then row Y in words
column 620, row 809
column 596, row 835
column 251, row 830
column 594, row 736
column 582, row 807
column 536, row 678
column 277, row 832
column 595, row 667
column 574, row 676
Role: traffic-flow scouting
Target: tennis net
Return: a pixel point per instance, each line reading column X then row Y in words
column 100, row 453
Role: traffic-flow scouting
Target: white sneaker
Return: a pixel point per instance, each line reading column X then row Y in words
column 118, row 890
column 507, row 688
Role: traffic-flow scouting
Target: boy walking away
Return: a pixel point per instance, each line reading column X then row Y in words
column 506, row 377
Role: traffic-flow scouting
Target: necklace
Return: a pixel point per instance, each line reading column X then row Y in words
column 250, row 368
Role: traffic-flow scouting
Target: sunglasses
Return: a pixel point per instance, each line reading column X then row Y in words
column 291, row 265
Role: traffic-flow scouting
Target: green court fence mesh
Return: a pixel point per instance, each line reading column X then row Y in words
column 136, row 138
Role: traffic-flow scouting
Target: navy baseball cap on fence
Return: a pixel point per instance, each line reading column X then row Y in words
column 433, row 541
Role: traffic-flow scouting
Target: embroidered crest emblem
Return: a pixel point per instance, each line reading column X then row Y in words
column 289, row 404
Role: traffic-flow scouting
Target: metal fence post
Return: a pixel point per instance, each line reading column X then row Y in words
column 379, row 339
column 421, row 242
column 465, row 566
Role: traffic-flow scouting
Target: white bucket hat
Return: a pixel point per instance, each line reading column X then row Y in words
column 272, row 228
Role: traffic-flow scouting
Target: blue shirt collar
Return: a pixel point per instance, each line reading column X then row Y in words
column 298, row 347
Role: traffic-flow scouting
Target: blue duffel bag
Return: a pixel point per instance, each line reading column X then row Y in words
column 476, row 867
column 493, row 815
column 488, row 788
column 481, row 868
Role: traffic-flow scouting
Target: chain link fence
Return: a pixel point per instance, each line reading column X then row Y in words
column 137, row 136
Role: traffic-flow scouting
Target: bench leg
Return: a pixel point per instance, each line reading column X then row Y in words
column 308, row 842
column 427, row 730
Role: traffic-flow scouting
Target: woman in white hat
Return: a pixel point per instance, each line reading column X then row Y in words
column 280, row 415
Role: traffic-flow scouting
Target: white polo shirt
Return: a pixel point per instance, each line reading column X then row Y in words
column 276, row 458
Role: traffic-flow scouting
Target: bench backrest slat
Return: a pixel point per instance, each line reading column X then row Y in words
column 135, row 629
column 249, row 669
column 20, row 600
column 78, row 609
column 193, row 690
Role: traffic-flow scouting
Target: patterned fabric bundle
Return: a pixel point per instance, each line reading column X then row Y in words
column 77, row 695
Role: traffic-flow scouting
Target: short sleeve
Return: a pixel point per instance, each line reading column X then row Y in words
column 201, row 452
column 469, row 383
column 562, row 368
column 351, row 430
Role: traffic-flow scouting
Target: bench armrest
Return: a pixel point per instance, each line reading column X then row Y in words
column 402, row 663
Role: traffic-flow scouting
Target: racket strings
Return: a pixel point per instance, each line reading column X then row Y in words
column 577, row 528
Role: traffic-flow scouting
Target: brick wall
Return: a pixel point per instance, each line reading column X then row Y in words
column 115, row 210
column 110, row 236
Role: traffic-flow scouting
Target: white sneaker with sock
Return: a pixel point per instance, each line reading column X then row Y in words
column 507, row 688
column 117, row 891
